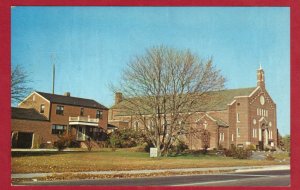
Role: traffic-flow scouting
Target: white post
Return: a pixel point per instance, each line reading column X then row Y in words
column 32, row 142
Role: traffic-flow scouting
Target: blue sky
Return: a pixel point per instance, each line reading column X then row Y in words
column 93, row 44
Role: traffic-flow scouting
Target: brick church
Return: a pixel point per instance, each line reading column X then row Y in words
column 240, row 117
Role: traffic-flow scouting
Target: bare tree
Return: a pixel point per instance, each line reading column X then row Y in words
column 19, row 84
column 163, row 88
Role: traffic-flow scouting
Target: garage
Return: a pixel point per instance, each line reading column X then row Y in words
column 22, row 139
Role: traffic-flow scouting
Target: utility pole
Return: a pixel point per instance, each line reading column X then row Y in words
column 53, row 79
column 53, row 60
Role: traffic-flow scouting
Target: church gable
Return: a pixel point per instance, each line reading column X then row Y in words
column 261, row 96
column 207, row 119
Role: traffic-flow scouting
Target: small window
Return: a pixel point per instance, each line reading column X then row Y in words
column 238, row 133
column 81, row 111
column 58, row 129
column 42, row 108
column 59, row 110
column 237, row 117
column 232, row 137
column 99, row 114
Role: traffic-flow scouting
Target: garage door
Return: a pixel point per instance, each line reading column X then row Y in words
column 24, row 140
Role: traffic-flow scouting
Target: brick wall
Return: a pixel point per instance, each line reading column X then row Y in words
column 41, row 129
column 257, row 115
column 35, row 101
column 74, row 111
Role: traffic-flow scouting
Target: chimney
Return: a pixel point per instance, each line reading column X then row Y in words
column 118, row 97
column 67, row 94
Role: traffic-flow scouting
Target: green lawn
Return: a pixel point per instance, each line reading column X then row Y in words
column 121, row 159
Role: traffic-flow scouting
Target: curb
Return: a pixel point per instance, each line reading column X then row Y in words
column 219, row 169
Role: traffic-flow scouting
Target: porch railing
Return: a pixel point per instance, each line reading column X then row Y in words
column 83, row 119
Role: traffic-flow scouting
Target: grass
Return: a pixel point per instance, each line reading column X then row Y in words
column 121, row 159
column 281, row 156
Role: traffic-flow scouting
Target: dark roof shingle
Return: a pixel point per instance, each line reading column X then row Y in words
column 25, row 113
column 69, row 100
column 211, row 101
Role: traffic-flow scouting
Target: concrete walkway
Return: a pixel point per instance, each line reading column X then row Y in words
column 218, row 169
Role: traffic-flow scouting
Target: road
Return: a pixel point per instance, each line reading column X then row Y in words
column 257, row 178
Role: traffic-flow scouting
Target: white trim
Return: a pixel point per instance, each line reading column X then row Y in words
column 206, row 116
column 32, row 141
column 254, row 91
column 26, row 98
column 262, row 118
column 34, row 92
column 210, row 117
column 117, row 121
column 241, row 97
column 232, row 103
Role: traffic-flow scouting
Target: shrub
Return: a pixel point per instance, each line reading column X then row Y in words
column 229, row 152
column 65, row 140
column 238, row 153
column 179, row 147
column 148, row 146
column 125, row 138
column 241, row 153
column 46, row 145
column 251, row 147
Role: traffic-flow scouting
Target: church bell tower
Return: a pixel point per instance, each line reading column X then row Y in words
column 260, row 77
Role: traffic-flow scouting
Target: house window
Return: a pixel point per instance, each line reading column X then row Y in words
column 238, row 133
column 232, row 137
column 42, row 108
column 81, row 111
column 221, row 137
column 99, row 114
column 254, row 133
column 58, row 129
column 59, row 110
column 260, row 112
column 237, row 117
column 270, row 135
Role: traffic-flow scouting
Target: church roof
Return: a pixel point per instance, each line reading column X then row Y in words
column 212, row 101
